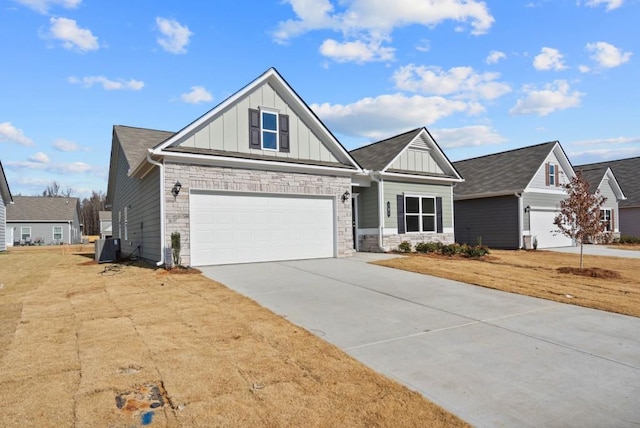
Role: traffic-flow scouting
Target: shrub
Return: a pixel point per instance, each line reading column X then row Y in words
column 428, row 247
column 476, row 251
column 175, row 247
column 451, row 249
column 626, row 239
column 404, row 247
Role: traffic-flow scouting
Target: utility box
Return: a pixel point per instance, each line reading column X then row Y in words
column 107, row 250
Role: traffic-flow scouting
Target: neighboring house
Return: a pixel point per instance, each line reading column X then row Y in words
column 44, row 220
column 601, row 178
column 105, row 224
column 6, row 235
column 627, row 174
column 257, row 178
column 510, row 199
column 407, row 195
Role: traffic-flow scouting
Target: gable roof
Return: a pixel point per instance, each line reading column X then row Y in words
column 503, row 173
column 136, row 142
column 379, row 156
column 43, row 209
column 5, row 192
column 273, row 78
column 627, row 175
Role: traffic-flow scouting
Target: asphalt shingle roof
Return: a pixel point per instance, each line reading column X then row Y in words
column 377, row 156
column 627, row 173
column 503, row 172
column 592, row 175
column 36, row 208
column 5, row 192
column 136, row 141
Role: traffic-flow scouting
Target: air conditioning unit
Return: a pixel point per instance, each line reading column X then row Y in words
column 107, row 250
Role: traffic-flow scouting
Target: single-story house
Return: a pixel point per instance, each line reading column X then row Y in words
column 510, row 199
column 5, row 199
column 407, row 195
column 601, row 179
column 106, row 230
column 627, row 174
column 257, row 178
column 44, row 220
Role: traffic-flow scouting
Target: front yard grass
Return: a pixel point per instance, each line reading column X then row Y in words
column 84, row 345
column 535, row 273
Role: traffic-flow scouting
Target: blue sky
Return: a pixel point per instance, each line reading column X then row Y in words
column 482, row 76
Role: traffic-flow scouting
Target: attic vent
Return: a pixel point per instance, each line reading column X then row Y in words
column 420, row 143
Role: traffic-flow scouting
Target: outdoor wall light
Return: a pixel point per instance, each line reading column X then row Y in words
column 176, row 189
column 388, row 209
column 345, row 196
column 527, row 209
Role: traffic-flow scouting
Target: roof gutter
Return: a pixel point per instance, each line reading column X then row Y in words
column 162, row 217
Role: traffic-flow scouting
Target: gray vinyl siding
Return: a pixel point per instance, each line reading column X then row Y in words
column 547, row 200
column 141, row 197
column 413, row 160
column 630, row 221
column 229, row 131
column 44, row 232
column 540, row 181
column 611, row 202
column 3, row 225
column 494, row 221
column 394, row 188
column 368, row 206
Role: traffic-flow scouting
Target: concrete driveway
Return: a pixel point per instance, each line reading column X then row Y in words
column 492, row 358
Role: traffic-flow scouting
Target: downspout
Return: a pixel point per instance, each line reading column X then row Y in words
column 162, row 237
column 69, row 222
column 520, row 220
column 380, row 211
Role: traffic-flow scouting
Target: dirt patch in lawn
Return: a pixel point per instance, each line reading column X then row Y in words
column 536, row 273
column 128, row 345
column 591, row 272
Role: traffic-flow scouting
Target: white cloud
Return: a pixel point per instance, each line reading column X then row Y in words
column 11, row 134
column 26, row 165
column 39, row 157
column 71, row 168
column 553, row 96
column 65, row 145
column 72, row 36
column 175, row 37
column 43, row 6
column 608, row 141
column 607, row 55
column 357, row 51
column 495, row 56
column 611, row 4
column 197, row 95
column 464, row 82
column 424, row 46
column 584, row 68
column 467, row 136
column 108, row 84
column 385, row 115
column 549, row 59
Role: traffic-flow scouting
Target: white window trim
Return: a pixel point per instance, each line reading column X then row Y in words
column 604, row 218
column 276, row 113
column 126, row 223
column 54, row 233
column 420, row 214
column 120, row 224
column 21, row 233
column 553, row 176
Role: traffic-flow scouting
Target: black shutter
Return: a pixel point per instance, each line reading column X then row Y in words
column 400, row 202
column 284, row 132
column 254, row 129
column 439, row 214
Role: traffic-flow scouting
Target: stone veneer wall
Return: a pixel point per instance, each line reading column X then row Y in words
column 369, row 243
column 246, row 180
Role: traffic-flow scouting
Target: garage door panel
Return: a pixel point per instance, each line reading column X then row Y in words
column 547, row 234
column 253, row 228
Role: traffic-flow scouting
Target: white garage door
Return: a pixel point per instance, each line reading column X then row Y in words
column 243, row 228
column 546, row 232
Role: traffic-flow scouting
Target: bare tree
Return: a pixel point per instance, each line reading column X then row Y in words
column 54, row 190
column 579, row 216
column 91, row 208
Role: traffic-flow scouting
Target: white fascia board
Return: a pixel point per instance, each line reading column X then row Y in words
column 562, row 158
column 486, row 195
column 547, row 191
column 232, row 162
column 422, row 178
column 614, row 184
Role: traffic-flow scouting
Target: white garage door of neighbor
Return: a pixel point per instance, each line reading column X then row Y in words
column 244, row 228
column 546, row 232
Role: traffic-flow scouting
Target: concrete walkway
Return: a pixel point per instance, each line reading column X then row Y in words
column 599, row 250
column 492, row 358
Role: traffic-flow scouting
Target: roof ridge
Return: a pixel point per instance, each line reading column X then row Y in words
column 386, row 139
column 508, row 151
column 142, row 129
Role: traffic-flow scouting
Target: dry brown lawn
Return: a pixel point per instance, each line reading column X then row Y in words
column 535, row 273
column 86, row 345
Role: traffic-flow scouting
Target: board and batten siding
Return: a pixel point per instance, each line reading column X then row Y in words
column 490, row 221
column 415, row 160
column 630, row 221
column 3, row 225
column 368, row 207
column 392, row 189
column 229, row 131
column 142, row 199
column 540, row 200
column 539, row 181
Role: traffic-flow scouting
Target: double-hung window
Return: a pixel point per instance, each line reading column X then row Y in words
column 25, row 233
column 420, row 213
column 57, row 233
column 552, row 175
column 605, row 217
column 269, row 130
